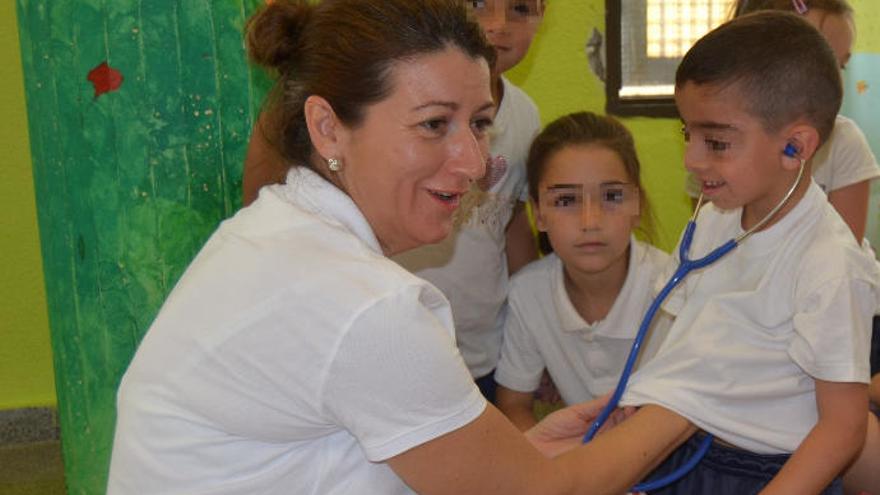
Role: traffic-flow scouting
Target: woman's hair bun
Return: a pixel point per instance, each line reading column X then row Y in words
column 274, row 34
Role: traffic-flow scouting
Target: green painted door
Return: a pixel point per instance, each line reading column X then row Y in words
column 139, row 115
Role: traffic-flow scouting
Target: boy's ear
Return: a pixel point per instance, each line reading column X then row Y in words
column 325, row 129
column 805, row 139
column 540, row 221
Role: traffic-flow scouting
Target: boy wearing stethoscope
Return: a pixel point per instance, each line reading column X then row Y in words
column 769, row 348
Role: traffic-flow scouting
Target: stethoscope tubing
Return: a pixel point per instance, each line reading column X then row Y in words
column 685, row 266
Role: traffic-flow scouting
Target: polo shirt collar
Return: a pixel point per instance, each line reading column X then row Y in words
column 308, row 190
column 571, row 321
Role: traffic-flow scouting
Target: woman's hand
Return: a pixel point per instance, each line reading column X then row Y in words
column 564, row 429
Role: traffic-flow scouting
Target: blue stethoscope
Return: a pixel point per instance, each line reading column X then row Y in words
column 686, row 265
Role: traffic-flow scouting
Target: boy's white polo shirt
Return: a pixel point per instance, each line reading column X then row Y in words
column 791, row 304
column 543, row 328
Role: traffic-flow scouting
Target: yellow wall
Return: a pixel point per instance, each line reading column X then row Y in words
column 26, row 377
column 867, row 26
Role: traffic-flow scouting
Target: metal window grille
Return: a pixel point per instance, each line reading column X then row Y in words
column 653, row 36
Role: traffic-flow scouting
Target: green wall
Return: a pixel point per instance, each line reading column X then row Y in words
column 128, row 182
column 25, row 357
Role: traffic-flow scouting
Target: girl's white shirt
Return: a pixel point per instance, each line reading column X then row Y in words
column 544, row 330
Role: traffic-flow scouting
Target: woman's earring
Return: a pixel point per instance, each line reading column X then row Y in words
column 334, row 164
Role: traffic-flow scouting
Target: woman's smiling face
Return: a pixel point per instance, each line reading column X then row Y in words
column 416, row 152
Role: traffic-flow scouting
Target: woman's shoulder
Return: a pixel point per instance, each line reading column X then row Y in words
column 289, row 247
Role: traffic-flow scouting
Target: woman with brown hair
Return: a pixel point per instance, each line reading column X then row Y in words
column 294, row 356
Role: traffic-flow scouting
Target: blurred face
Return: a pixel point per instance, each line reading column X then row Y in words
column 736, row 162
column 588, row 206
column 509, row 25
column 409, row 162
column 838, row 30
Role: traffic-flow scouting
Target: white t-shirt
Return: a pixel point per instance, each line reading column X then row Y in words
column 470, row 265
column 292, row 357
column 791, row 304
column 845, row 159
column 544, row 330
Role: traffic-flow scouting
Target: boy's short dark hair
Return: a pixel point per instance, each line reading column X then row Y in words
column 782, row 67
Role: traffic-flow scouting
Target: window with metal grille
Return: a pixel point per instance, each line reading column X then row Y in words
column 646, row 39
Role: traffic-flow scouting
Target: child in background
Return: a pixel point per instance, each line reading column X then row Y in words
column 575, row 312
column 845, row 166
column 492, row 237
column 768, row 350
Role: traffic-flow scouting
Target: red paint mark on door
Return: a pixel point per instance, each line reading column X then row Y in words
column 105, row 79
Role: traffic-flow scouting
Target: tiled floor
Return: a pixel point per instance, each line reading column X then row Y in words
column 31, row 469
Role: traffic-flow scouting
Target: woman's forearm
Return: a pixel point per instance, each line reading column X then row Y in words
column 629, row 451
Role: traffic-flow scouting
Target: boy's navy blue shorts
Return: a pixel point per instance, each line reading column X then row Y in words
column 875, row 346
column 875, row 357
column 488, row 386
column 724, row 471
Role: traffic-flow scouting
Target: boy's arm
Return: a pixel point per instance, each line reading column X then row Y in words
column 517, row 406
column 522, row 248
column 831, row 445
